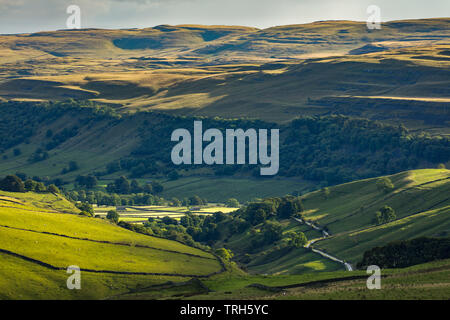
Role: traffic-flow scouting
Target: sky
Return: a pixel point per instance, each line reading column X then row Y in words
column 24, row 16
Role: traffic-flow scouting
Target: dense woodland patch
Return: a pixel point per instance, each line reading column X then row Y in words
column 326, row 149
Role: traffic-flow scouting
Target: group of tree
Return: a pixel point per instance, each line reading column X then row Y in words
column 123, row 186
column 71, row 167
column 38, row 155
column 232, row 203
column 102, row 198
column 406, row 253
column 88, row 182
column 13, row 183
column 85, row 208
column 328, row 149
column 282, row 208
column 297, row 239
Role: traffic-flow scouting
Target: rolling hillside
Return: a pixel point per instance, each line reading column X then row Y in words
column 420, row 199
column 360, row 113
column 424, row 281
column 40, row 239
column 398, row 74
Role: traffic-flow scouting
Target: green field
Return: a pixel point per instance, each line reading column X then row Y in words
column 217, row 189
column 420, row 199
column 21, row 279
column 420, row 282
column 140, row 214
column 34, row 231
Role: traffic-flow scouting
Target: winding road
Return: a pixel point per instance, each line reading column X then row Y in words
column 325, row 234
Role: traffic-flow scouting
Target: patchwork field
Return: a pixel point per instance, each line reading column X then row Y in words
column 140, row 214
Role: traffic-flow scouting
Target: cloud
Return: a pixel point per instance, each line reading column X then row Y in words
column 37, row 15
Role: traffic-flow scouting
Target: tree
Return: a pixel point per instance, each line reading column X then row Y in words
column 385, row 184
column 89, row 181
column 148, row 188
column 195, row 201
column 175, row 202
column 297, row 240
column 272, row 232
column 40, row 187
column 135, row 187
column 113, row 216
column 441, row 166
column 225, row 254
column 73, row 166
column 258, row 216
column 169, row 221
column 22, row 175
column 86, row 207
column 388, row 213
column 53, row 189
column 122, row 185
column 30, row 185
column 113, row 167
column 289, row 206
column 326, row 192
column 286, row 209
column 12, row 183
column 232, row 203
column 384, row 215
column 157, row 187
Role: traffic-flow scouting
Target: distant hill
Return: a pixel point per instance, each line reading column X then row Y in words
column 272, row 74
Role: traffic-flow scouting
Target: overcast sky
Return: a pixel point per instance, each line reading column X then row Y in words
column 18, row 16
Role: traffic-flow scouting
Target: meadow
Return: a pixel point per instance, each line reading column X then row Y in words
column 36, row 236
column 420, row 282
column 420, row 199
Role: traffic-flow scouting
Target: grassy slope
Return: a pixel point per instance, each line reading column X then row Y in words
column 425, row 281
column 420, row 282
column 24, row 235
column 272, row 259
column 350, row 246
column 25, row 280
column 222, row 188
column 419, row 198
